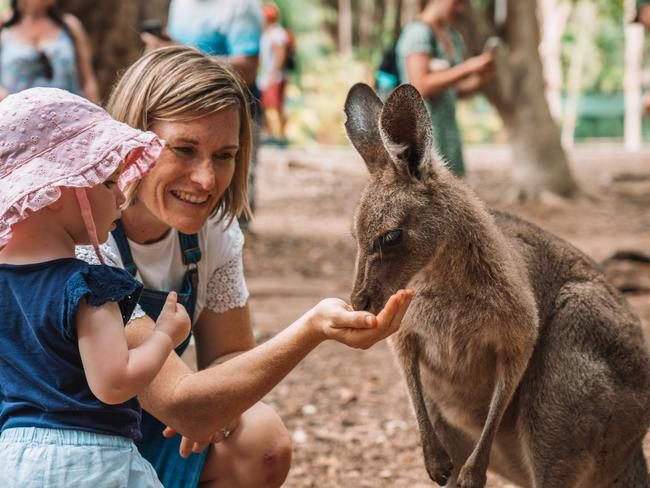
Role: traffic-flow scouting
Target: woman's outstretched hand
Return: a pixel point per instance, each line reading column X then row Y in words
column 361, row 330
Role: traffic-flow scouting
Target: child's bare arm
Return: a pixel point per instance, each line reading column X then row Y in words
column 116, row 374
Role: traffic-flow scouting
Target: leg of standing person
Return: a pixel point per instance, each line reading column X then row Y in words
column 256, row 455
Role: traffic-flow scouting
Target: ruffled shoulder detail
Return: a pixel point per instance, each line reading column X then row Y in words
column 100, row 284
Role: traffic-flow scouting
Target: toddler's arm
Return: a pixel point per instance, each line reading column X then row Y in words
column 116, row 374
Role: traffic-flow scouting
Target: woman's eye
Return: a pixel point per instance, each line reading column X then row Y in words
column 392, row 237
column 224, row 157
column 184, row 150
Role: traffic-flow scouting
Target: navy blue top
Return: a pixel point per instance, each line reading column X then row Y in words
column 42, row 380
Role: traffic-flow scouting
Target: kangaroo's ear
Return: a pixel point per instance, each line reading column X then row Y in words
column 362, row 109
column 406, row 131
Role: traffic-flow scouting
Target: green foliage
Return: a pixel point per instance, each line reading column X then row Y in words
column 306, row 23
column 316, row 94
column 479, row 123
column 315, row 108
column 603, row 72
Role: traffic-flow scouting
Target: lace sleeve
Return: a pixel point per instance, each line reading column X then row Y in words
column 227, row 286
column 87, row 253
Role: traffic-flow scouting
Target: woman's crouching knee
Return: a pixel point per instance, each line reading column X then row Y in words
column 257, row 454
column 277, row 459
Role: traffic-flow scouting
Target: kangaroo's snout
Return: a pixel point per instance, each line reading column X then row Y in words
column 360, row 301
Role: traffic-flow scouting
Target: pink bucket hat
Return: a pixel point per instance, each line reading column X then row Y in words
column 50, row 138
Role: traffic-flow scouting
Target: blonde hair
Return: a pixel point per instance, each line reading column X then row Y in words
column 179, row 84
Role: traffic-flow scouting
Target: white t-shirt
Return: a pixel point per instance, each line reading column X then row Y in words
column 160, row 265
column 273, row 36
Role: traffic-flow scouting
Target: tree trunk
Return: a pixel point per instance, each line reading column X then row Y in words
column 517, row 92
column 345, row 26
column 113, row 28
column 554, row 15
column 632, row 83
column 365, row 22
column 586, row 18
column 380, row 27
column 397, row 25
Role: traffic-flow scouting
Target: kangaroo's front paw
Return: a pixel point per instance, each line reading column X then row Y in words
column 439, row 467
column 471, row 477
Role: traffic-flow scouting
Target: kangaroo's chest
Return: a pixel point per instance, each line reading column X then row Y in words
column 457, row 369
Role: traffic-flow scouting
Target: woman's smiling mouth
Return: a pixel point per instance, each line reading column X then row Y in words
column 190, row 198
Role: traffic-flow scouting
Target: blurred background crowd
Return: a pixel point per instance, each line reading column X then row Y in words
column 572, row 65
column 338, row 42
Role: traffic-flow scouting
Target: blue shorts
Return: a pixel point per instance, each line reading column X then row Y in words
column 173, row 470
column 53, row 458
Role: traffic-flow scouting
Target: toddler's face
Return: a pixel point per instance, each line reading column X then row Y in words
column 105, row 201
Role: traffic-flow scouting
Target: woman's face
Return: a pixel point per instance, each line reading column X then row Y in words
column 193, row 171
column 451, row 8
column 36, row 4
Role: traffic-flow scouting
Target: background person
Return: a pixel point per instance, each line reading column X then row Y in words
column 272, row 77
column 181, row 233
column 430, row 57
column 41, row 46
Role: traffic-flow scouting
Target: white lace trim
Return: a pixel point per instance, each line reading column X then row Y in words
column 87, row 253
column 227, row 286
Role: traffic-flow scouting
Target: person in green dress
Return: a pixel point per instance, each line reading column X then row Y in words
column 429, row 55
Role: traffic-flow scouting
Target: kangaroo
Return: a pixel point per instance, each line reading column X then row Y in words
column 517, row 353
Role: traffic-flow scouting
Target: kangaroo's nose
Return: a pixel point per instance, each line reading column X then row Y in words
column 360, row 301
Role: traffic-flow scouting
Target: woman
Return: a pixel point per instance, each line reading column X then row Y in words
column 180, row 232
column 430, row 57
column 40, row 46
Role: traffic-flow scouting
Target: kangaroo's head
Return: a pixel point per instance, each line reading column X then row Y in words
column 404, row 209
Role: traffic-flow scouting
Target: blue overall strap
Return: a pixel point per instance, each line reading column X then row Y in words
column 190, row 248
column 173, row 470
column 191, row 255
column 123, row 246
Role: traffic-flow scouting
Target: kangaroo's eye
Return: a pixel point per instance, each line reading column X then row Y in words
column 392, row 237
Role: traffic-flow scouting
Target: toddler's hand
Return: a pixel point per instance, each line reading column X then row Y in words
column 360, row 330
column 173, row 320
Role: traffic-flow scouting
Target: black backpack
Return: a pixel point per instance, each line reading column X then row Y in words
column 290, row 64
column 387, row 75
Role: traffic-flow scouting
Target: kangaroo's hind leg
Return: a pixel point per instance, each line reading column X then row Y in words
column 584, row 400
column 635, row 474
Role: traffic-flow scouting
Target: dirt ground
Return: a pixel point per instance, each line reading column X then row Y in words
column 347, row 410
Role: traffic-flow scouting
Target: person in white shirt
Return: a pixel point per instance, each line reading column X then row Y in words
column 180, row 233
column 272, row 77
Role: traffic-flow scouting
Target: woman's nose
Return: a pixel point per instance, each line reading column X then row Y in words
column 204, row 175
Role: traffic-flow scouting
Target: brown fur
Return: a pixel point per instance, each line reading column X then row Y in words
column 518, row 354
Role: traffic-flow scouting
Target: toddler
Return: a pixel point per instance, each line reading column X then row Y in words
column 67, row 377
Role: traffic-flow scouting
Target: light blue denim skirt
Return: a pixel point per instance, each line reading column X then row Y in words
column 55, row 458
